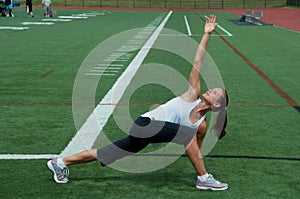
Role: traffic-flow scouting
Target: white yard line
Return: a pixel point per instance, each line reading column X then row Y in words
column 99, row 74
column 187, row 26
column 107, row 65
column 72, row 17
column 116, row 60
column 13, row 28
column 224, row 30
column 184, row 35
column 88, row 133
column 37, row 23
column 25, row 156
column 104, row 70
column 57, row 20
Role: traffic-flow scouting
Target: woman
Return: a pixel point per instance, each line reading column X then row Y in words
column 181, row 120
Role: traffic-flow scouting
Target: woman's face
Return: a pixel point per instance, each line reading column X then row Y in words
column 213, row 96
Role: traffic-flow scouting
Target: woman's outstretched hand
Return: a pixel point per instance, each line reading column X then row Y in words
column 210, row 24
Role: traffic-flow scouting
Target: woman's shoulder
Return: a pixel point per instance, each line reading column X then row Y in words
column 189, row 96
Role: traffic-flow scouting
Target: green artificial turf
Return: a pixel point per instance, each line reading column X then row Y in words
column 259, row 157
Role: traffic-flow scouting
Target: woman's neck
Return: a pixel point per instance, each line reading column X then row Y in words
column 203, row 107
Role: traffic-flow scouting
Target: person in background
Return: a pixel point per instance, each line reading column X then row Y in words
column 2, row 8
column 9, row 7
column 47, row 9
column 29, row 8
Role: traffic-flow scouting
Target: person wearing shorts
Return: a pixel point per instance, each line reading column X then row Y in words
column 9, row 8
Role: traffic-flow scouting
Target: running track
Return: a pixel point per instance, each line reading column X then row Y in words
column 283, row 17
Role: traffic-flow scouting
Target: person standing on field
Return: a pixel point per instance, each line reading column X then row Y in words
column 29, row 8
column 47, row 8
column 9, row 8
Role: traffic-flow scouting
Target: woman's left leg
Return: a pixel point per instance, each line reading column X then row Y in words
column 80, row 158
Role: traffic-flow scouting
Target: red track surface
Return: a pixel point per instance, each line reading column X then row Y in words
column 284, row 17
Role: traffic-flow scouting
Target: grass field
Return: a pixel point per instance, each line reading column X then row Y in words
column 259, row 158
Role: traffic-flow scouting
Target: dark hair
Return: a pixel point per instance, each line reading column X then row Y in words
column 221, row 122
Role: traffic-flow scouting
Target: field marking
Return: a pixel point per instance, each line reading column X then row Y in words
column 72, row 17
column 88, row 133
column 99, row 74
column 187, row 26
column 194, row 35
column 37, row 23
column 13, row 28
column 224, row 30
column 104, row 70
column 116, row 60
column 107, row 68
column 57, row 20
column 26, row 156
column 125, row 57
column 121, row 65
column 84, row 15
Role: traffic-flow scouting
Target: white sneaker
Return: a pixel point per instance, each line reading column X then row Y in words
column 60, row 174
column 211, row 184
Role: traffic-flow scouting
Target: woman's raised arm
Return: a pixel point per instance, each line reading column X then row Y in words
column 193, row 92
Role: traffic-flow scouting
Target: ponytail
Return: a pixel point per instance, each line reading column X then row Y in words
column 221, row 121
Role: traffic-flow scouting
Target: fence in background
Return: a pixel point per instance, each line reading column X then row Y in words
column 293, row 2
column 176, row 3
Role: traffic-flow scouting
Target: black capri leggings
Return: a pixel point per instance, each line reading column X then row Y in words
column 143, row 132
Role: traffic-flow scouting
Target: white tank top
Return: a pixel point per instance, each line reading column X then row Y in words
column 176, row 111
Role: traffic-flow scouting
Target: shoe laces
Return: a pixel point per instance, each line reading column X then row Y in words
column 66, row 171
column 62, row 172
column 63, row 175
column 211, row 177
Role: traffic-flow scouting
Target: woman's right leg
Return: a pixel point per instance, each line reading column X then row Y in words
column 121, row 148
